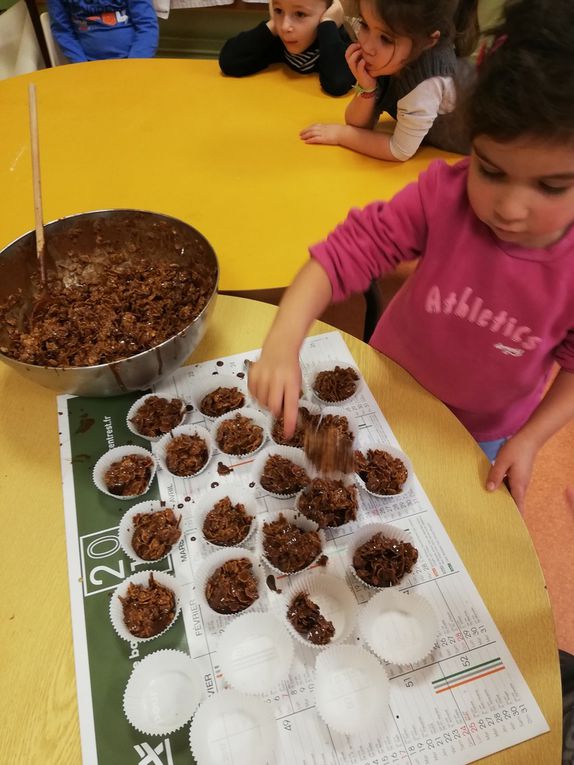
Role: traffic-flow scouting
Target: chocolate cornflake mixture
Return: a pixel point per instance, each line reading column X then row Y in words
column 155, row 533
column 330, row 446
column 381, row 472
column 289, row 548
column 232, row 587
column 105, row 308
column 304, row 420
column 336, row 384
column 129, row 476
column 382, row 561
column 328, row 502
column 186, row 455
column 157, row 416
column 306, row 618
column 226, row 524
column 148, row 610
column 220, row 401
column 239, row 435
column 282, row 476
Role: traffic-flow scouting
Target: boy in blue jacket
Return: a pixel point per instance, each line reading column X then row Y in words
column 88, row 30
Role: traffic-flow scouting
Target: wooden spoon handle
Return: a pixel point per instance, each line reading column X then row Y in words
column 37, row 185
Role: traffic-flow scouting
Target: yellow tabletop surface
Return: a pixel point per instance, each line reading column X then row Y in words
column 177, row 137
column 38, row 706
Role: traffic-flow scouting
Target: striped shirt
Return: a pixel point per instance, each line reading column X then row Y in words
column 303, row 62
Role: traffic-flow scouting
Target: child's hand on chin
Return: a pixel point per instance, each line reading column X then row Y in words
column 356, row 63
column 514, row 461
column 327, row 134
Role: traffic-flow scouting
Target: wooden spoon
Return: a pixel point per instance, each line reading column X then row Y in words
column 37, row 184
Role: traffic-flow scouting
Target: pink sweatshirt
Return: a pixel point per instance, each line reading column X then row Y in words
column 480, row 322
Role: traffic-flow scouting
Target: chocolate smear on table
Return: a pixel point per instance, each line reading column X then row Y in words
column 232, row 587
column 157, row 416
column 155, row 533
column 223, row 469
column 383, row 561
column 227, row 524
column 186, row 455
column 381, row 472
column 239, row 435
column 329, row 502
column 220, row 401
column 336, row 384
column 129, row 476
column 306, row 618
column 289, row 548
column 148, row 610
column 282, row 476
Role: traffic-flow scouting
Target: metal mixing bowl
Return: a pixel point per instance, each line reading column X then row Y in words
column 176, row 239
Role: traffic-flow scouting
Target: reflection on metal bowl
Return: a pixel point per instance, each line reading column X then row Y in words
column 154, row 236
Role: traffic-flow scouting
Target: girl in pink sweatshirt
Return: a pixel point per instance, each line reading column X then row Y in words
column 489, row 311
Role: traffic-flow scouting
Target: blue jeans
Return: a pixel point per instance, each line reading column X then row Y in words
column 491, row 448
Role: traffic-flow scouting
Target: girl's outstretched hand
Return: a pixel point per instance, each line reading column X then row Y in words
column 319, row 133
column 356, row 63
column 514, row 460
column 275, row 381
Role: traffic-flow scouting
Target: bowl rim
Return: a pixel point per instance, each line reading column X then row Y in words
column 107, row 364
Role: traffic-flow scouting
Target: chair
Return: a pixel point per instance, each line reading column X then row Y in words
column 56, row 56
column 20, row 50
column 381, row 292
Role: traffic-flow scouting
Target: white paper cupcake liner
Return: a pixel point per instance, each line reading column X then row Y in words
column 127, row 527
column 137, row 404
column 288, row 452
column 363, row 534
column 141, row 577
column 231, row 728
column 327, row 366
column 309, row 405
column 335, row 600
column 184, row 430
column 255, row 653
column 205, row 384
column 296, row 518
column 254, row 414
column 351, row 689
column 216, row 559
column 162, row 693
column 398, row 454
column 237, row 495
column 399, row 627
column 115, row 455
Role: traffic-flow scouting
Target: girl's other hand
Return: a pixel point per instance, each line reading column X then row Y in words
column 334, row 13
column 514, row 460
column 326, row 134
column 275, row 381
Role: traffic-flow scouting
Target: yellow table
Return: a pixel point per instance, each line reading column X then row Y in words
column 38, row 702
column 176, row 137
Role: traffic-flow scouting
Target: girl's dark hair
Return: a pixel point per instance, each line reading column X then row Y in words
column 524, row 83
column 456, row 20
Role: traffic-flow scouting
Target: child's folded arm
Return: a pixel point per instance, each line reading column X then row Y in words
column 334, row 74
column 144, row 20
column 250, row 52
column 416, row 113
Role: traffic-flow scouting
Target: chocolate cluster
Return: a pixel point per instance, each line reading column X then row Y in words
column 307, row 620
column 336, row 384
column 155, row 533
column 289, row 548
column 329, row 502
column 186, row 455
column 232, row 587
column 239, row 435
column 383, row 561
column 226, row 524
column 381, row 472
column 129, row 476
column 157, row 416
column 282, row 476
column 148, row 610
column 220, row 401
column 329, row 447
column 102, row 309
column 305, row 419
